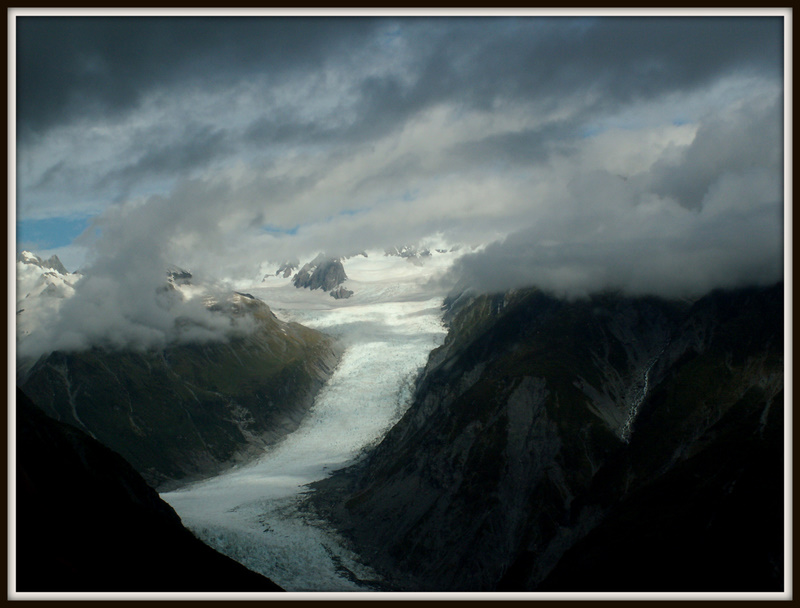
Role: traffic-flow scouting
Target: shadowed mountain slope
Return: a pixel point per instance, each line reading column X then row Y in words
column 86, row 521
column 557, row 444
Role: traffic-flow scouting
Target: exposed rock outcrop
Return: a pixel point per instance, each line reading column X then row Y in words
column 341, row 293
column 178, row 276
column 321, row 273
column 287, row 268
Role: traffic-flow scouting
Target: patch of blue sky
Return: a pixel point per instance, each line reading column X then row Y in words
column 346, row 213
column 273, row 229
column 283, row 230
column 50, row 233
column 628, row 124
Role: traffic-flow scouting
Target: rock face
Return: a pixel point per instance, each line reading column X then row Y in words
column 341, row 293
column 321, row 273
column 178, row 276
column 51, row 263
column 609, row 443
column 189, row 410
column 86, row 521
column 287, row 268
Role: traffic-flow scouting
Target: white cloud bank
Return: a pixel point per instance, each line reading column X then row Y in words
column 706, row 214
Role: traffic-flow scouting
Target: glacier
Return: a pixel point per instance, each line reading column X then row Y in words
column 251, row 513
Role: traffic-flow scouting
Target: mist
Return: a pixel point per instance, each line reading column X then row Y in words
column 124, row 300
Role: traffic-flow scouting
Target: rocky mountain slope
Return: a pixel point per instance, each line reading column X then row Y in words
column 609, row 443
column 321, row 273
column 86, row 521
column 188, row 410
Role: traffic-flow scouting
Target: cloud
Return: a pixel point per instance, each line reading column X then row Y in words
column 194, row 148
column 738, row 141
column 632, row 153
column 607, row 231
column 110, row 102
column 134, row 311
column 123, row 300
column 78, row 67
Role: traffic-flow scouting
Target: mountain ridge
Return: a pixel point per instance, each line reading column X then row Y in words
column 514, row 448
column 87, row 522
column 186, row 411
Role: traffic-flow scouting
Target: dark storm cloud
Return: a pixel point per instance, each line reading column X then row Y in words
column 478, row 62
column 350, row 81
column 70, row 67
column 79, row 66
column 524, row 147
column 720, row 147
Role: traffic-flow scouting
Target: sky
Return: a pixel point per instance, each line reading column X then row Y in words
column 635, row 153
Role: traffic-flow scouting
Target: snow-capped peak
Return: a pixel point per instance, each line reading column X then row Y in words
column 51, row 263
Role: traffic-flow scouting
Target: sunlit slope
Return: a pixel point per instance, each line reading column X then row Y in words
column 539, row 419
column 184, row 411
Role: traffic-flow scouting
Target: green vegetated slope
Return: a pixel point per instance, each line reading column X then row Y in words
column 185, row 411
column 541, row 422
column 86, row 521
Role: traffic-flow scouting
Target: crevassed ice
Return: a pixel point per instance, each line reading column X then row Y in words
column 249, row 513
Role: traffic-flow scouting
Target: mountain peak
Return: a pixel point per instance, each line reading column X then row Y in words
column 178, row 275
column 321, row 273
column 52, row 263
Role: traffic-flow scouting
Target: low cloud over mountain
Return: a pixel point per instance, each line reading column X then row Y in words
column 704, row 215
column 644, row 154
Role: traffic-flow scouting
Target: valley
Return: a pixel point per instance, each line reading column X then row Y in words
column 454, row 441
column 551, row 445
column 481, row 305
column 250, row 512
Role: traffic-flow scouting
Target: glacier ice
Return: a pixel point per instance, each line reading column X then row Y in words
column 249, row 512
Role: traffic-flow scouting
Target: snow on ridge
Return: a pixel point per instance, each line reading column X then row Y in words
column 51, row 263
column 133, row 317
column 374, row 278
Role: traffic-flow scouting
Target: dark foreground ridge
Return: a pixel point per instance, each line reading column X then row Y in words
column 86, row 521
column 604, row 444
